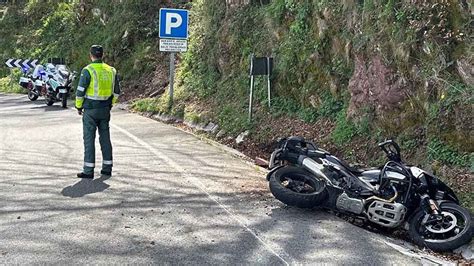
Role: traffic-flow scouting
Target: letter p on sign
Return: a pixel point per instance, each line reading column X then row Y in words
column 173, row 20
column 173, row 23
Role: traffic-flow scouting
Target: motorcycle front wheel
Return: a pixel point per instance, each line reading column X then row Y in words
column 64, row 100
column 445, row 232
column 48, row 101
column 297, row 187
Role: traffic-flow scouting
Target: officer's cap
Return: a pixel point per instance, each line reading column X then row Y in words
column 97, row 51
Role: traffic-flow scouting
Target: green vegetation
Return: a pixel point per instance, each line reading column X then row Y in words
column 438, row 150
column 345, row 130
column 39, row 29
column 467, row 200
column 147, row 105
column 314, row 44
column 8, row 87
column 9, row 84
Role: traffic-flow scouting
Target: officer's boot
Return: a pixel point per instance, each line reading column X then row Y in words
column 88, row 176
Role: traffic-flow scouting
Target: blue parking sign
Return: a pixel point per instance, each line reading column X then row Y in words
column 173, row 23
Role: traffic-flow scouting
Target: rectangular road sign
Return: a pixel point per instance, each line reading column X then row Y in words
column 173, row 23
column 171, row 45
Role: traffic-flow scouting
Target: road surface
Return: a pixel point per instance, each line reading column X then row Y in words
column 173, row 199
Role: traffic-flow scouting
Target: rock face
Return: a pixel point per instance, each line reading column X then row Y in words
column 465, row 69
column 374, row 85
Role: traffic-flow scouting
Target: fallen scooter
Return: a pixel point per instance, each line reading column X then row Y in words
column 395, row 195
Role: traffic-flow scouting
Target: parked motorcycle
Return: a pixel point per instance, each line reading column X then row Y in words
column 58, row 84
column 35, row 81
column 392, row 196
column 27, row 81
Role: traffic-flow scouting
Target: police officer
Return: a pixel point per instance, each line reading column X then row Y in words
column 97, row 91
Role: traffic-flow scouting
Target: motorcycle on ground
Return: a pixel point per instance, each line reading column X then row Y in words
column 395, row 195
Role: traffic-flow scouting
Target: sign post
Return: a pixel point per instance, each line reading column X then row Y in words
column 269, row 70
column 251, row 88
column 259, row 66
column 173, row 35
column 11, row 78
column 171, row 92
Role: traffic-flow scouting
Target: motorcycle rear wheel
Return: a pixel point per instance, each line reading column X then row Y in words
column 297, row 187
column 32, row 96
column 48, row 101
column 454, row 230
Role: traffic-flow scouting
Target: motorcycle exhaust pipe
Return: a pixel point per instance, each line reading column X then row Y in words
column 314, row 167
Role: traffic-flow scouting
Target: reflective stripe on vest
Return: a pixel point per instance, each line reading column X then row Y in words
column 97, row 98
column 95, row 78
column 114, row 73
column 101, row 83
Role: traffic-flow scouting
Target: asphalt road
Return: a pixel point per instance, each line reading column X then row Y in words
column 173, row 199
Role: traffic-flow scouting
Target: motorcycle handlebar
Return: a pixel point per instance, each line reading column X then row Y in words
column 391, row 154
column 390, row 142
column 381, row 144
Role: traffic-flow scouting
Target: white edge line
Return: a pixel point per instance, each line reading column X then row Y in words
column 199, row 185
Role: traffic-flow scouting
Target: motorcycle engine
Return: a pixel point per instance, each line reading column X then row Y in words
column 386, row 214
column 346, row 203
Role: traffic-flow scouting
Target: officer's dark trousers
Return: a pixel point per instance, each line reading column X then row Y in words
column 93, row 119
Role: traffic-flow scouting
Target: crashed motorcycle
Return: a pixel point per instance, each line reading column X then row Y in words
column 395, row 195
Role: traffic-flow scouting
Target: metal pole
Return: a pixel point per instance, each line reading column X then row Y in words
column 251, row 98
column 171, row 92
column 251, row 88
column 11, row 78
column 268, row 83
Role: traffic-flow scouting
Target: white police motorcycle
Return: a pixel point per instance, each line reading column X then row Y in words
column 57, row 84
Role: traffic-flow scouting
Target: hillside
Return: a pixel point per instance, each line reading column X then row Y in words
column 347, row 74
column 127, row 29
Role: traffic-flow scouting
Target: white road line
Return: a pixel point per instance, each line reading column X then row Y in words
column 201, row 186
column 14, row 108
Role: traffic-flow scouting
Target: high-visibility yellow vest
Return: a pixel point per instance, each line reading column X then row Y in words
column 102, row 83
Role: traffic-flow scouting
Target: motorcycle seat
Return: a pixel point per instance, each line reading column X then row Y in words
column 370, row 175
column 352, row 168
column 359, row 171
column 64, row 73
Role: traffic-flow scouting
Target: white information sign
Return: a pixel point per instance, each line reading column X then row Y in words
column 173, row 45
